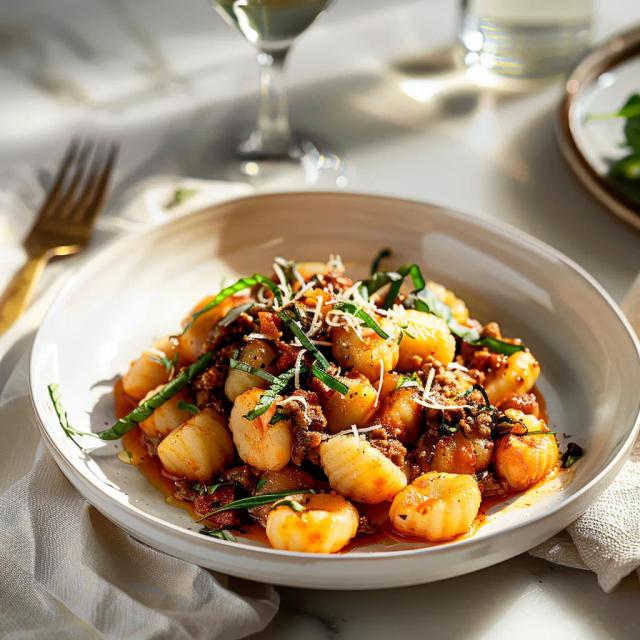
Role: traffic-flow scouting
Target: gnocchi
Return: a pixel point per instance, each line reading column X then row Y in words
column 259, row 443
column 436, row 506
column 324, row 525
column 357, row 470
column 424, row 335
column 198, row 449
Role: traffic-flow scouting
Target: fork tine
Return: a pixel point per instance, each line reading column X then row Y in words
column 52, row 196
column 95, row 188
column 81, row 169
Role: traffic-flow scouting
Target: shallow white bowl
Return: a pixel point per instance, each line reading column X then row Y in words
column 142, row 285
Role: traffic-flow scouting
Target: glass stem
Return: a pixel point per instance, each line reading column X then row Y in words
column 273, row 134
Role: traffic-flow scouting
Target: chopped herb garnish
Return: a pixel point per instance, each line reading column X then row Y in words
column 255, row 501
column 254, row 371
column 408, row 381
column 278, row 416
column 169, row 365
column 146, row 408
column 294, row 505
column 573, row 453
column 56, row 400
column 367, row 320
column 382, row 254
column 240, row 285
column 208, row 489
column 261, row 483
column 483, row 393
column 297, row 331
column 624, row 173
column 428, row 302
column 329, row 380
column 180, row 195
column 221, row 534
column 234, row 313
column 188, row 406
column 277, row 386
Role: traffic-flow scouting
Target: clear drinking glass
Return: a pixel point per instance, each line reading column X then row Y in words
column 272, row 26
column 526, row 38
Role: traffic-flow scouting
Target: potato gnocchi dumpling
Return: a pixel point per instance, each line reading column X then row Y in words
column 359, row 471
column 259, row 443
column 324, row 525
column 364, row 350
column 315, row 405
column 436, row 506
column 151, row 369
column 423, row 336
column 518, row 375
column 199, row 448
column 524, row 460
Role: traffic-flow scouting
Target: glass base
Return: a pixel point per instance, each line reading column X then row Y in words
column 302, row 160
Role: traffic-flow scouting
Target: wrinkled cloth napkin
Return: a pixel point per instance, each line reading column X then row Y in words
column 606, row 538
column 66, row 571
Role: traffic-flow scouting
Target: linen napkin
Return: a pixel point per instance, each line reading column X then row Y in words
column 606, row 538
column 66, row 571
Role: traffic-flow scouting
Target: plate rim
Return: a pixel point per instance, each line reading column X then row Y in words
column 599, row 59
column 504, row 230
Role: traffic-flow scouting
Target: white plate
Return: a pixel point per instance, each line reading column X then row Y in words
column 142, row 285
column 601, row 83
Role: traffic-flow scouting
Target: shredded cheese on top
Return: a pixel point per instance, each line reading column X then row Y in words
column 296, row 371
column 380, row 382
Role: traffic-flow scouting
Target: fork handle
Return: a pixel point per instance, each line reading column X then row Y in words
column 19, row 291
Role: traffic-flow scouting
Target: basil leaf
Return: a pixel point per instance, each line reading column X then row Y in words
column 254, row 371
column 146, row 408
column 329, row 380
column 297, row 331
column 278, row 385
column 221, row 534
column 368, row 321
column 573, row 453
column 382, row 254
column 240, row 285
column 234, row 313
column 187, row 406
column 255, row 501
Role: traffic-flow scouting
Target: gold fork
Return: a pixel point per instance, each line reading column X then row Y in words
column 64, row 222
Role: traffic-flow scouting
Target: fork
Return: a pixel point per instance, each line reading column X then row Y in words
column 65, row 220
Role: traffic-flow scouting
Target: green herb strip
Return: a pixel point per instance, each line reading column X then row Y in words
column 411, row 270
column 368, row 321
column 427, row 302
column 483, row 393
column 240, row 285
column 56, row 400
column 278, row 385
column 329, row 380
column 255, row 501
column 573, row 453
column 208, row 489
column 187, row 406
column 382, row 254
column 297, row 331
column 234, row 313
column 220, row 534
column 234, row 363
column 294, row 505
column 146, row 408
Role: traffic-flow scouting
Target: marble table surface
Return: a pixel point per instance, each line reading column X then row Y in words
column 374, row 82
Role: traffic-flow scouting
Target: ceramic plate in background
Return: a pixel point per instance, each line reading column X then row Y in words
column 141, row 286
column 601, row 84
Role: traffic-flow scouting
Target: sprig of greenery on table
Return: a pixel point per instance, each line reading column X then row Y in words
column 624, row 173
